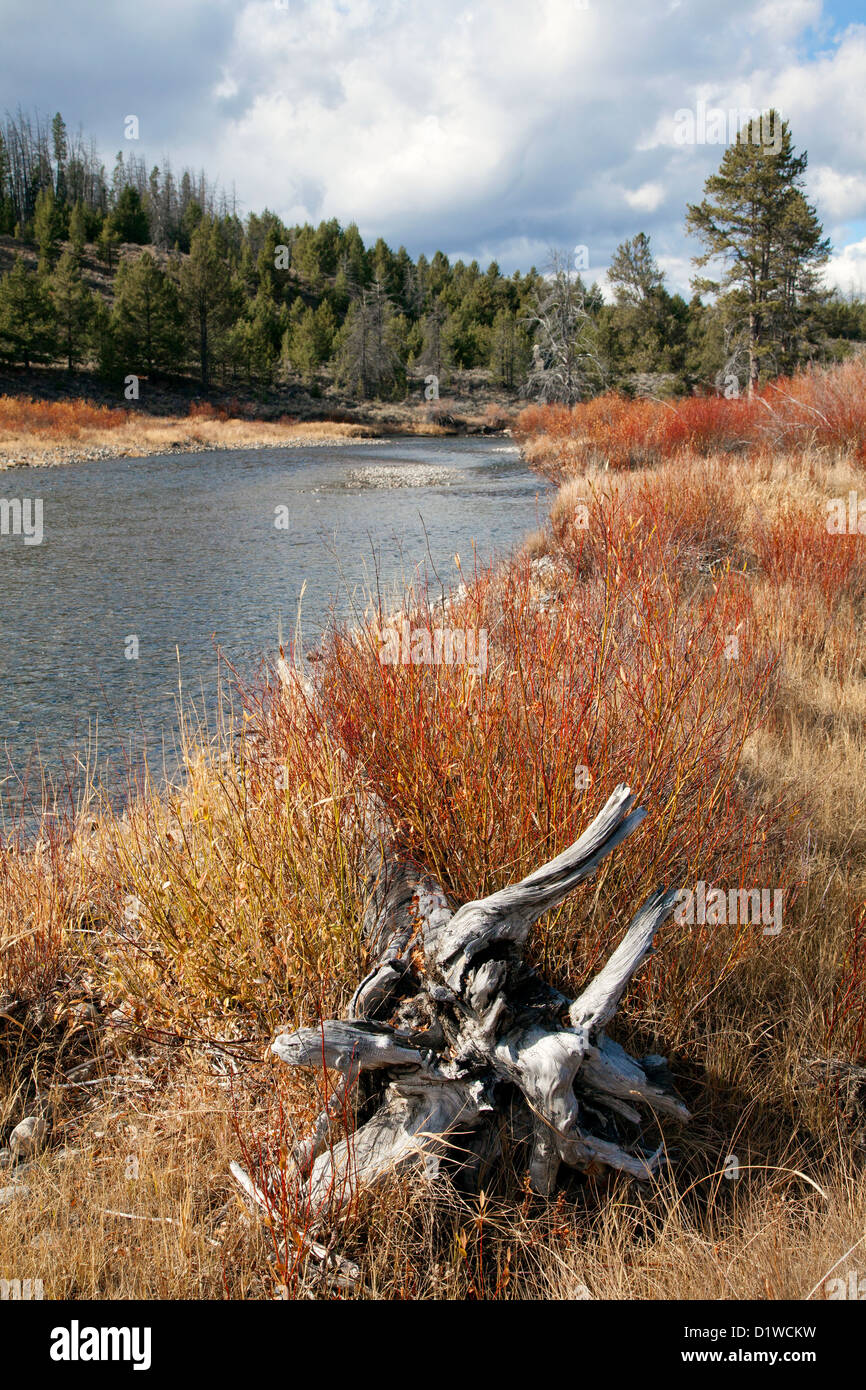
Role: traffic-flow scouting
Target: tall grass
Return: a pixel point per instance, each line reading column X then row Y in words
column 624, row 677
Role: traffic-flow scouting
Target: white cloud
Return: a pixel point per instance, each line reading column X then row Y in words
column 838, row 195
column 784, row 19
column 476, row 127
column 646, row 198
column 846, row 271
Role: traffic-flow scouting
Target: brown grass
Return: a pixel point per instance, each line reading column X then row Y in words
column 38, row 432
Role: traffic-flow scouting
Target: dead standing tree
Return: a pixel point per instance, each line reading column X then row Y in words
column 566, row 365
column 452, row 1036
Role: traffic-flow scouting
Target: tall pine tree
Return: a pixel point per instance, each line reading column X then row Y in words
column 147, row 319
column 209, row 295
column 47, row 228
column 756, row 220
column 73, row 308
column 26, row 317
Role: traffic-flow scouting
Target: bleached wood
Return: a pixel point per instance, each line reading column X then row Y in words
column 308, row 1150
column 451, row 1019
column 346, row 1046
column 597, row 1004
column 414, row 1128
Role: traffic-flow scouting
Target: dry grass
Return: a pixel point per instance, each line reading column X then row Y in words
column 166, row 945
column 39, row 432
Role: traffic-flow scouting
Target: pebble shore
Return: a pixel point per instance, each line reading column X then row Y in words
column 56, row 455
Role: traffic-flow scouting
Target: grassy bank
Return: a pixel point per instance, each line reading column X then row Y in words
column 687, row 624
column 49, row 417
column 813, row 411
column 40, row 433
column 37, row 433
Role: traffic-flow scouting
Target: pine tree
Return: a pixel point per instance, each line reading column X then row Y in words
column 26, row 317
column 647, row 325
column 103, row 345
column 47, row 229
column 147, row 319
column 73, row 308
column 153, row 206
column 78, row 229
column 61, row 153
column 129, row 218
column 634, row 274
column 7, row 206
column 510, row 352
column 191, row 219
column 756, row 220
column 305, row 259
column 255, row 340
column 436, row 355
column 353, row 259
column 209, row 295
column 109, row 241
column 370, row 350
column 270, row 277
column 310, row 338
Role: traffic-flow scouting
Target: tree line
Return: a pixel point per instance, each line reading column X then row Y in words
column 252, row 303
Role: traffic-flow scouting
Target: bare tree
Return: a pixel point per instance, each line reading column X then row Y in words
column 566, row 365
column 370, row 359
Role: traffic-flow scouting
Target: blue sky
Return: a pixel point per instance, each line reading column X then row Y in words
column 495, row 129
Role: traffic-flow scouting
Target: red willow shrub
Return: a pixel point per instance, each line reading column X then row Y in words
column 823, row 408
column 22, row 414
column 629, row 677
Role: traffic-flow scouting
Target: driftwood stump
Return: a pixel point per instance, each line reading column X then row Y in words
column 451, row 1036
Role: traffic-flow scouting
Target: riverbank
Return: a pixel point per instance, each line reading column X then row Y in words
column 141, row 436
column 49, row 418
column 692, row 629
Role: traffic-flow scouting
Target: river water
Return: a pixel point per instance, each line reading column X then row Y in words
column 147, row 566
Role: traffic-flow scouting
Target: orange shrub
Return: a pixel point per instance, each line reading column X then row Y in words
column 819, row 407
column 22, row 414
column 204, row 410
column 626, row 677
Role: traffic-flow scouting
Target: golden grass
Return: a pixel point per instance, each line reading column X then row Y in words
column 57, row 432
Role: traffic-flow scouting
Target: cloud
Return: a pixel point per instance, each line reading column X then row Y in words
column 477, row 126
column 846, row 271
column 839, row 195
column 646, row 198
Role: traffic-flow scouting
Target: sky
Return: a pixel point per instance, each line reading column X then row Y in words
column 501, row 129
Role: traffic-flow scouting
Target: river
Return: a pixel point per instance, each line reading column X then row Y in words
column 147, row 566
